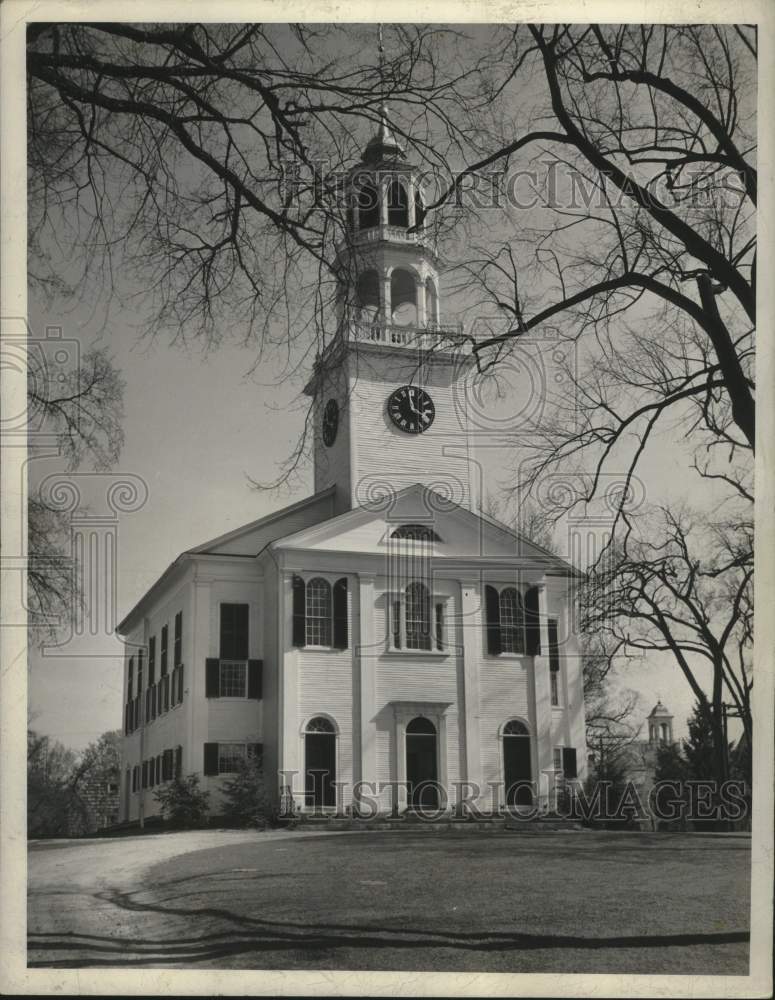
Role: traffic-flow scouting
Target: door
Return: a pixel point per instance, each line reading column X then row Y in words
column 320, row 763
column 517, row 769
column 421, row 764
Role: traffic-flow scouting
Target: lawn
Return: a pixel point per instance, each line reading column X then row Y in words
column 548, row 902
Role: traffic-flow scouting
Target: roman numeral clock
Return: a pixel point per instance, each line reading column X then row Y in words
column 411, row 409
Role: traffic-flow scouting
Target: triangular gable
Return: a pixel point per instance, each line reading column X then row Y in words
column 250, row 539
column 461, row 532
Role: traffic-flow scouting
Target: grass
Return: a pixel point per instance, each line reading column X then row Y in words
column 549, row 902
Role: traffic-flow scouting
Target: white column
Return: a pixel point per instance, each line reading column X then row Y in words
column 446, row 798
column 419, row 291
column 399, row 803
column 387, row 306
column 468, row 712
column 384, row 182
column 410, row 197
column 543, row 706
column 367, row 673
column 197, row 710
column 290, row 758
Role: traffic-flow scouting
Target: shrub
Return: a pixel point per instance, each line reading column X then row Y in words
column 245, row 799
column 183, row 803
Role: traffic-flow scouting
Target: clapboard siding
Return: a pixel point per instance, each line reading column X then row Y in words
column 382, row 454
column 504, row 690
column 332, row 464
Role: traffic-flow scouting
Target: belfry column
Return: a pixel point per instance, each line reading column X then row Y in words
column 419, row 291
column 387, row 304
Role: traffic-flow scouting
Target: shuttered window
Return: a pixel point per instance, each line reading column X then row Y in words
column 504, row 621
column 164, row 639
column 320, row 613
column 130, row 678
column 554, row 661
column 178, row 647
column 152, row 661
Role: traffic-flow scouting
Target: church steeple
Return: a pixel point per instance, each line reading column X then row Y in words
column 389, row 406
column 388, row 261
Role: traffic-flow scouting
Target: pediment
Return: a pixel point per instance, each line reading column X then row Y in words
column 454, row 531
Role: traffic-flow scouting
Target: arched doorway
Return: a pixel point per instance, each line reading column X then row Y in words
column 319, row 763
column 517, row 768
column 421, row 764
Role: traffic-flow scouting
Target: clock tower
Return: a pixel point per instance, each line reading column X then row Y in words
column 389, row 390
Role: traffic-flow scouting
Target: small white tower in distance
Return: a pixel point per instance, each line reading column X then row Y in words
column 660, row 722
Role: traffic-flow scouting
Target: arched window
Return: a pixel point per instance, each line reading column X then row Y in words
column 319, row 725
column 512, row 621
column 421, row 725
column 418, row 616
column 416, row 532
column 515, row 728
column 398, row 207
column 403, row 297
column 318, row 612
column 368, row 206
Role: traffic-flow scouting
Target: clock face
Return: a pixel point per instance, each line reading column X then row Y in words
column 330, row 422
column 411, row 409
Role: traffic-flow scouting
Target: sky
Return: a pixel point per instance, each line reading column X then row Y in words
column 198, row 427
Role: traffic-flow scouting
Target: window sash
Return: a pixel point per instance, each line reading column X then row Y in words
column 411, row 634
column 229, row 755
column 318, row 619
column 233, row 679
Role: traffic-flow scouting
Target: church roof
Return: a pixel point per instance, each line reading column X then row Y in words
column 305, row 522
column 659, row 709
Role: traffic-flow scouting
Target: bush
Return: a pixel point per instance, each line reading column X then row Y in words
column 245, row 799
column 183, row 803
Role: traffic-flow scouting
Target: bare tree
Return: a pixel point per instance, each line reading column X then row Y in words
column 644, row 249
column 85, row 412
column 682, row 586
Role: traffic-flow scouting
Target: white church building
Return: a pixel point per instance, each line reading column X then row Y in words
column 383, row 644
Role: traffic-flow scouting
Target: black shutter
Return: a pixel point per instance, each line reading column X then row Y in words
column 166, row 765
column 255, row 750
column 166, row 692
column 299, row 612
column 159, row 705
column 493, row 620
column 178, row 762
column 569, row 762
column 254, row 678
column 211, row 758
column 340, row 613
column 174, row 692
column 212, row 678
column 180, row 683
column 126, row 719
column 145, row 774
column 532, row 626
